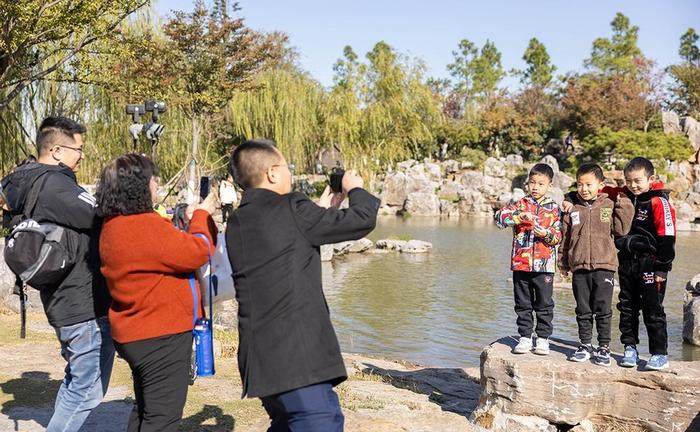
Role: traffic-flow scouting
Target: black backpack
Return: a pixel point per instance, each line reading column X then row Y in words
column 40, row 254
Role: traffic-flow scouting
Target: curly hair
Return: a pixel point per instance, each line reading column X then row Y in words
column 123, row 188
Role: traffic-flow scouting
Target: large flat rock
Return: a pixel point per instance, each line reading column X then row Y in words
column 566, row 393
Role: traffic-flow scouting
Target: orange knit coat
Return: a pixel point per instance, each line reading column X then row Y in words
column 146, row 262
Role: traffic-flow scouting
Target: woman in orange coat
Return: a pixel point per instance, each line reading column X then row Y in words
column 148, row 265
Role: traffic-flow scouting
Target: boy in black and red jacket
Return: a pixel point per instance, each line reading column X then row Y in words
column 645, row 256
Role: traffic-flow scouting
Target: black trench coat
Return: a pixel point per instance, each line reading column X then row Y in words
column 287, row 340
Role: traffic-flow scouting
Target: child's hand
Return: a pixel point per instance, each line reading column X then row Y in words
column 526, row 216
column 564, row 273
column 539, row 231
column 567, row 206
column 659, row 279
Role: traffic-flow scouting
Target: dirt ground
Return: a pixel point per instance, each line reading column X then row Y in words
column 379, row 396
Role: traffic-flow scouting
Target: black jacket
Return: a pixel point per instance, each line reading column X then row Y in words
column 83, row 294
column 653, row 229
column 287, row 340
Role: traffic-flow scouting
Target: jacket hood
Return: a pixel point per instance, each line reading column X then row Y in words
column 16, row 185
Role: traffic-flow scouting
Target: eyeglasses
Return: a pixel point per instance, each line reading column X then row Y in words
column 78, row 149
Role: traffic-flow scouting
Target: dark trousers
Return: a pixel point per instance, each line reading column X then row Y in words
column 593, row 291
column 161, row 371
column 226, row 210
column 639, row 291
column 533, row 292
column 309, row 409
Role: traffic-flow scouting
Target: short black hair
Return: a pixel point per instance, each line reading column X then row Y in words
column 250, row 160
column 54, row 129
column 590, row 168
column 640, row 163
column 542, row 169
column 123, row 188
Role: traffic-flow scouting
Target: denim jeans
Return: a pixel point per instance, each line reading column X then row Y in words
column 309, row 409
column 89, row 351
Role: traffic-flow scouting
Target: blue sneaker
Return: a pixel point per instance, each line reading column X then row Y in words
column 631, row 357
column 657, row 362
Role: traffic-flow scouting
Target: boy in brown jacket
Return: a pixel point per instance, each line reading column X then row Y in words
column 588, row 250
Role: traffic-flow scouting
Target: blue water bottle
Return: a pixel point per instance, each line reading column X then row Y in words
column 204, row 348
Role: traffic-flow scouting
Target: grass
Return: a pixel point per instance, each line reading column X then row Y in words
column 401, row 237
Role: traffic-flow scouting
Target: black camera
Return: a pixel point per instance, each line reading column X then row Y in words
column 335, row 179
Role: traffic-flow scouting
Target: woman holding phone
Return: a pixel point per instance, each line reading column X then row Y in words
column 147, row 263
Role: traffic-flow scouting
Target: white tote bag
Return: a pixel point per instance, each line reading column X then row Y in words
column 221, row 275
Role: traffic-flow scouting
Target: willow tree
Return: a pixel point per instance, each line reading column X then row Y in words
column 286, row 106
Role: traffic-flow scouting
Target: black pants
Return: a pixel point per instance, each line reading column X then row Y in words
column 639, row 291
column 593, row 291
column 533, row 291
column 226, row 210
column 161, row 371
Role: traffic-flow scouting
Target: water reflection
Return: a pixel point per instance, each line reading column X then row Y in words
column 442, row 308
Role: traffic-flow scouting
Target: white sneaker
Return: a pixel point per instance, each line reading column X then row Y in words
column 524, row 346
column 542, row 346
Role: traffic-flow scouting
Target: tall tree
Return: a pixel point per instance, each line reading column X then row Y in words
column 618, row 54
column 37, row 37
column 477, row 73
column 685, row 89
column 689, row 50
column 539, row 71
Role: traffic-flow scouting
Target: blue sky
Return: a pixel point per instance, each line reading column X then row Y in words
column 431, row 29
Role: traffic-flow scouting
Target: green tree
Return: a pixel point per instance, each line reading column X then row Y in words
column 38, row 37
column 540, row 70
column 477, row 72
column 618, row 54
column 689, row 51
column 685, row 89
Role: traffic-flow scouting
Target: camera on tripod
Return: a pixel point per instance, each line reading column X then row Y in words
column 152, row 129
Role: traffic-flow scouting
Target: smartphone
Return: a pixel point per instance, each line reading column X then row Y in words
column 335, row 179
column 204, row 186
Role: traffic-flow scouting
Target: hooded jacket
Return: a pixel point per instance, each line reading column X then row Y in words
column 588, row 231
column 532, row 253
column 83, row 294
column 653, row 231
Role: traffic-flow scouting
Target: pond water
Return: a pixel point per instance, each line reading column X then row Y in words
column 444, row 307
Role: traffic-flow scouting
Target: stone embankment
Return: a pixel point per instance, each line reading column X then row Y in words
column 328, row 252
column 534, row 393
column 691, row 312
column 453, row 189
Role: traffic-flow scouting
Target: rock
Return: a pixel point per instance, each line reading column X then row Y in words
column 556, row 194
column 394, row 190
column 450, row 190
column 361, row 245
column 466, row 165
column 416, row 246
column 696, row 187
column 422, row 204
column 562, row 393
column 670, row 122
column 326, row 252
column 405, row 165
column 494, row 168
column 420, row 184
column 684, row 212
column 472, row 179
column 691, row 128
column 693, row 199
column 451, row 166
column 562, row 181
column 691, row 311
column 680, row 184
column 492, row 187
column 502, row 422
column 433, row 171
column 341, row 248
column 417, row 170
column 410, row 246
column 584, row 426
column 449, row 208
column 551, row 161
column 472, row 203
column 390, row 244
column 504, row 199
column 518, row 194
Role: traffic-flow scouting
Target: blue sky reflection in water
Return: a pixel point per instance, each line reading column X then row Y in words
column 442, row 308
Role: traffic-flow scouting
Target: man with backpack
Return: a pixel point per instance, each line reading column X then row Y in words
column 76, row 305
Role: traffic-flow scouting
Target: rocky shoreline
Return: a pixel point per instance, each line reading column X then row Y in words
column 458, row 189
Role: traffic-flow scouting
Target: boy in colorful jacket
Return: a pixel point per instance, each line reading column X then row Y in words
column 536, row 225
